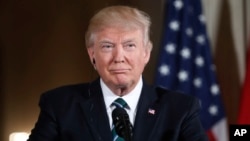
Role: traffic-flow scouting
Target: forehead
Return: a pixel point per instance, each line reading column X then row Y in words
column 116, row 33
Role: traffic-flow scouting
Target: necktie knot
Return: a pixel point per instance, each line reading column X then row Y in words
column 119, row 102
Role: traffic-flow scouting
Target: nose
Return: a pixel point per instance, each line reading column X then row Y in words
column 119, row 55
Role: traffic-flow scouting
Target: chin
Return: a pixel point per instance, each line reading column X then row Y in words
column 122, row 84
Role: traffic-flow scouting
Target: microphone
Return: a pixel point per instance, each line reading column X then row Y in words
column 122, row 124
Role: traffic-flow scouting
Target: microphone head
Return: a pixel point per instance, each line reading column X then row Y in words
column 122, row 124
column 118, row 113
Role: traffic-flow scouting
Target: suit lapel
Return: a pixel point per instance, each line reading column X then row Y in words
column 147, row 113
column 95, row 112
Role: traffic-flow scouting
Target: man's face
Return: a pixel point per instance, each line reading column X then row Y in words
column 120, row 56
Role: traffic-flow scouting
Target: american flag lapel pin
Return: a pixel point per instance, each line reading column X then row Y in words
column 151, row 111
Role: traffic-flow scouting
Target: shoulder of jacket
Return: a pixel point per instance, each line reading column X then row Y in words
column 66, row 90
column 169, row 94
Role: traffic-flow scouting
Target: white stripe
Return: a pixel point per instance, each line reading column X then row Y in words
column 115, row 138
column 220, row 131
column 118, row 104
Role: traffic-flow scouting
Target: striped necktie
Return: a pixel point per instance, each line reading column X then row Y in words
column 119, row 102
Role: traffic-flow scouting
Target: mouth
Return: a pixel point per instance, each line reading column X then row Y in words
column 119, row 71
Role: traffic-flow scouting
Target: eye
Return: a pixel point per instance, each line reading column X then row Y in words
column 130, row 46
column 107, row 47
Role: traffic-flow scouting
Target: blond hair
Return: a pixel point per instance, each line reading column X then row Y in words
column 122, row 16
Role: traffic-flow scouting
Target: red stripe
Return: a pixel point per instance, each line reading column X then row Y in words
column 244, row 112
column 210, row 136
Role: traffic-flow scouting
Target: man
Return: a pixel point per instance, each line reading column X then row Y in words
column 119, row 48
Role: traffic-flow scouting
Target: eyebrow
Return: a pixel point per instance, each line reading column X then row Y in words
column 111, row 42
column 129, row 40
column 105, row 41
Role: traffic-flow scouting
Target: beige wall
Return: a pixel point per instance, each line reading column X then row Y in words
column 238, row 13
column 42, row 47
column 247, row 5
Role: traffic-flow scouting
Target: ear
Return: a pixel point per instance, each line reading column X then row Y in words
column 147, row 52
column 91, row 53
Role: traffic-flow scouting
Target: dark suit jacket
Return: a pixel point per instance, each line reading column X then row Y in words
column 78, row 113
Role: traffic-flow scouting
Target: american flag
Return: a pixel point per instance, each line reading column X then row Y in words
column 151, row 111
column 185, row 63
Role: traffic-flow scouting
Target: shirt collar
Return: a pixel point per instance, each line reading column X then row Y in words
column 131, row 98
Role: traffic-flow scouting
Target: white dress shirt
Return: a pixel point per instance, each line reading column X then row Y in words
column 131, row 99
